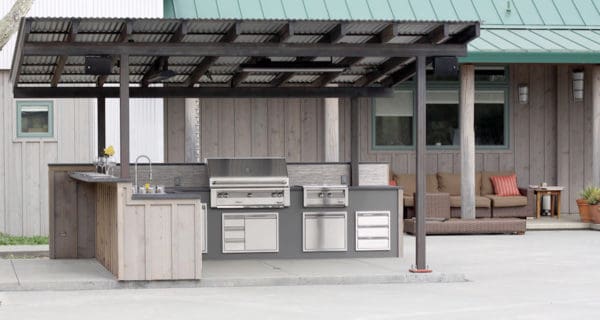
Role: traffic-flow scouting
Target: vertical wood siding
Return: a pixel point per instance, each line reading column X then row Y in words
column 291, row 128
column 549, row 137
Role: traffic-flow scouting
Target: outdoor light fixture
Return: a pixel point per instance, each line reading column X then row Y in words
column 578, row 85
column 161, row 73
column 523, row 93
column 293, row 67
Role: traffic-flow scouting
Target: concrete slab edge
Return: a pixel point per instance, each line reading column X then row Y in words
column 236, row 282
column 595, row 227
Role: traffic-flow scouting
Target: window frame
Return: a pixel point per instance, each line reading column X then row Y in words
column 34, row 135
column 448, row 86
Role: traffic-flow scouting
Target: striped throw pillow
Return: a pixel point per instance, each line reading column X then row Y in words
column 505, row 185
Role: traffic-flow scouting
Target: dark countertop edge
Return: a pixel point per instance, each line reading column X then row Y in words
column 81, row 176
column 203, row 164
column 166, row 196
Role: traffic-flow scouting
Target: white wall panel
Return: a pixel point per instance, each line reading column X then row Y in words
column 81, row 8
column 145, row 131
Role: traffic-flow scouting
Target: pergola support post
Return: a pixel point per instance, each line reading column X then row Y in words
column 124, row 115
column 101, row 114
column 421, row 163
column 467, row 140
column 354, row 142
column 596, row 125
column 331, row 123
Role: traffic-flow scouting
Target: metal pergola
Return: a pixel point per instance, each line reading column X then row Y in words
column 211, row 58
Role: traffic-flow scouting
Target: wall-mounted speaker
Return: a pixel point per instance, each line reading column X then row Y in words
column 98, row 65
column 445, row 67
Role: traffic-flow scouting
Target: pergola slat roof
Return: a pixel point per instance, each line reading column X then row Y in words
column 208, row 53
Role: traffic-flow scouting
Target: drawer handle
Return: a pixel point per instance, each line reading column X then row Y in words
column 373, row 238
column 226, row 228
column 373, row 226
column 234, row 240
column 261, row 216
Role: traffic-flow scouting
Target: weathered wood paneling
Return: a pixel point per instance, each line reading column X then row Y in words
column 161, row 239
column 106, row 227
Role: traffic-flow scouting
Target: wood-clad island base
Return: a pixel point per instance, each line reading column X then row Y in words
column 134, row 239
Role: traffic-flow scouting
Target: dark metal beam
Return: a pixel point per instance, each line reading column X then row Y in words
column 208, row 60
column 466, row 35
column 336, row 34
column 354, row 140
column 124, row 35
column 62, row 60
column 240, row 92
column 421, row 161
column 403, row 74
column 386, row 67
column 123, row 115
column 101, row 125
column 286, row 32
column 180, row 33
column 244, row 49
column 24, row 30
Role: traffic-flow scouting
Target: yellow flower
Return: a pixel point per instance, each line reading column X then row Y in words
column 109, row 151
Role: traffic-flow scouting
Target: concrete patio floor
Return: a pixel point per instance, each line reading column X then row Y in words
column 540, row 275
column 88, row 274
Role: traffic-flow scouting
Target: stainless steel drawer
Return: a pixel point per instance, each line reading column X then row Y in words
column 373, row 230
column 324, row 231
column 250, row 232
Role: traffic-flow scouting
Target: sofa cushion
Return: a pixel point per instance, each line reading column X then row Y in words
column 409, row 201
column 507, row 201
column 480, row 202
column 450, row 183
column 505, row 185
column 486, row 182
column 408, row 183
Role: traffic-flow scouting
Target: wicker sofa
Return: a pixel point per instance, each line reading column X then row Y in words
column 487, row 204
column 439, row 220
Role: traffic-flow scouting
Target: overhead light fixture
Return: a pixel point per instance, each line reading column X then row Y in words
column 578, row 85
column 162, row 72
column 302, row 66
column 523, row 93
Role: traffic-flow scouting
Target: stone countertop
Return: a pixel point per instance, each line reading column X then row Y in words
column 94, row 177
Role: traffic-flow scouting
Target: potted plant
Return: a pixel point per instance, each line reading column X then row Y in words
column 595, row 206
column 591, row 195
column 583, row 205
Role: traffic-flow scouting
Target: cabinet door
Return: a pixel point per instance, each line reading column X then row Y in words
column 325, row 231
column 261, row 232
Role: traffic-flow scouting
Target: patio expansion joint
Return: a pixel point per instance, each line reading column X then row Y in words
column 15, row 272
column 278, row 268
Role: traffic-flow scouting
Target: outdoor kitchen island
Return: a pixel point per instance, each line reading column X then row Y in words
column 165, row 236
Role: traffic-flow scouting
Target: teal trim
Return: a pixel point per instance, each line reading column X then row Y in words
column 532, row 57
column 49, row 105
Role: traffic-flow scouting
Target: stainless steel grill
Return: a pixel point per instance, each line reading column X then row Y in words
column 325, row 196
column 248, row 183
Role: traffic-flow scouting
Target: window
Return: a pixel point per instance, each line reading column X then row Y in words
column 34, row 119
column 393, row 119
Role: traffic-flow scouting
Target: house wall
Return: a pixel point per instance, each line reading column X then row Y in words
column 549, row 137
column 23, row 163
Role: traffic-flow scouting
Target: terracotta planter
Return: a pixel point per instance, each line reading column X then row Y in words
column 584, row 210
column 595, row 213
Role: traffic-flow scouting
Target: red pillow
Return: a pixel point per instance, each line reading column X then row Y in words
column 505, row 185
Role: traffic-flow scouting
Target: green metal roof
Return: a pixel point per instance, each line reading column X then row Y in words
column 512, row 31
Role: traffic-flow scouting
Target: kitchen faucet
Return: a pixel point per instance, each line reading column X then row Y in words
column 136, row 170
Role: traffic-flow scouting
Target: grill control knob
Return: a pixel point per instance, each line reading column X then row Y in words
column 249, row 195
column 321, row 195
column 225, row 195
column 280, row 195
column 329, row 195
column 274, row 195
